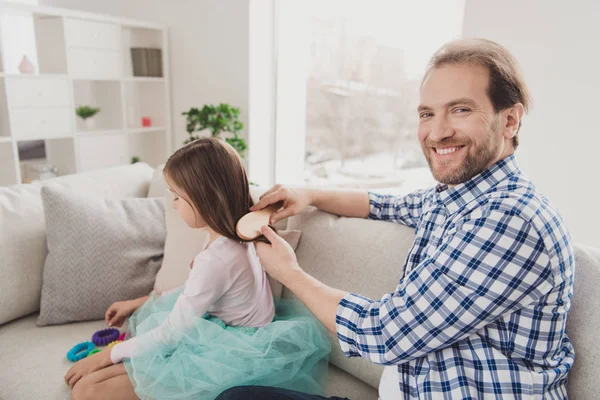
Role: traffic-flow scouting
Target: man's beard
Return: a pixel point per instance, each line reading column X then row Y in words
column 475, row 162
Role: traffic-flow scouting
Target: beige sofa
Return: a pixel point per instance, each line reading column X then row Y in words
column 356, row 255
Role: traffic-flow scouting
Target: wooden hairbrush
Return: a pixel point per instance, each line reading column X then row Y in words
column 248, row 227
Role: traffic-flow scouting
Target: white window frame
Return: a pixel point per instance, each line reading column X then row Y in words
column 278, row 95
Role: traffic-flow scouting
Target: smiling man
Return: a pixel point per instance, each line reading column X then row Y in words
column 482, row 307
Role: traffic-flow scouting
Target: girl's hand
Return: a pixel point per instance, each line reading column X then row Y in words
column 118, row 312
column 87, row 365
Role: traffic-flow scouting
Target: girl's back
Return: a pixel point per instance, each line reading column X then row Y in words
column 233, row 268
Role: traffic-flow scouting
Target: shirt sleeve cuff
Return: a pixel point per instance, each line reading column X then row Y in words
column 347, row 318
column 375, row 205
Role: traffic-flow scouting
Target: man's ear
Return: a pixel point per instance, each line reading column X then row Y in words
column 512, row 120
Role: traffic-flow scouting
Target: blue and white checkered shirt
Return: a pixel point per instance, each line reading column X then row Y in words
column 482, row 307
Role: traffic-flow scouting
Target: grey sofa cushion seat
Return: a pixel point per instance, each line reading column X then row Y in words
column 342, row 384
column 33, row 360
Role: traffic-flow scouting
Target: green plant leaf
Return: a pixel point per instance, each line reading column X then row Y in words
column 217, row 119
column 86, row 112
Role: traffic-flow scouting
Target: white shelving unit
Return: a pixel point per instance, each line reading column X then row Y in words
column 79, row 59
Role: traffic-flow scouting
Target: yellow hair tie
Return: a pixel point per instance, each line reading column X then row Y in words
column 111, row 344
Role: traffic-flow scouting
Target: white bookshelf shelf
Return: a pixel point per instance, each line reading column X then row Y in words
column 149, row 129
column 144, row 79
column 80, row 59
column 101, row 132
column 43, row 137
column 97, row 79
column 36, row 76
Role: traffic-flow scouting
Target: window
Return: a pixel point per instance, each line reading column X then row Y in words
column 348, row 77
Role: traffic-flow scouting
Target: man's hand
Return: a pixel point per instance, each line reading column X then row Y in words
column 346, row 203
column 294, row 202
column 277, row 258
column 88, row 365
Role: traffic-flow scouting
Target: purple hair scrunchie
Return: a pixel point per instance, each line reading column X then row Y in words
column 105, row 336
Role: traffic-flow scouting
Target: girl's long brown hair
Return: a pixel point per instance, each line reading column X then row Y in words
column 213, row 177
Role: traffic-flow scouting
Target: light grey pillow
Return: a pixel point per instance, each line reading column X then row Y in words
column 99, row 251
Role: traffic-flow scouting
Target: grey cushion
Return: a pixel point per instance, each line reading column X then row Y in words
column 99, row 251
column 357, row 255
column 23, row 246
column 583, row 324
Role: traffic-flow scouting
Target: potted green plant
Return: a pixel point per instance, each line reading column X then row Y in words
column 221, row 120
column 86, row 113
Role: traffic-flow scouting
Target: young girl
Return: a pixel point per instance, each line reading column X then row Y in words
column 220, row 329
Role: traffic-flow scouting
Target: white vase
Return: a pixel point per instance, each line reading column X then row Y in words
column 89, row 123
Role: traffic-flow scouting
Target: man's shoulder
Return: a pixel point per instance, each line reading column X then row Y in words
column 518, row 197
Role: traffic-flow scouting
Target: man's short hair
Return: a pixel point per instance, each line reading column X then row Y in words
column 506, row 86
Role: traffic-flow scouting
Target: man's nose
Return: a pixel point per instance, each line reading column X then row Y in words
column 440, row 129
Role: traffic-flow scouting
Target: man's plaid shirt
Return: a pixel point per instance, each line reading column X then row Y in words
column 482, row 307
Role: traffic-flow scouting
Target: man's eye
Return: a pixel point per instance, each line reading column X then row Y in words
column 425, row 115
column 461, row 110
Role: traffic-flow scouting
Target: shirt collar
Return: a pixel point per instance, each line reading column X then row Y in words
column 458, row 196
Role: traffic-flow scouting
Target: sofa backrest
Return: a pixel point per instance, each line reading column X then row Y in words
column 347, row 253
column 367, row 257
column 23, row 233
column 583, row 324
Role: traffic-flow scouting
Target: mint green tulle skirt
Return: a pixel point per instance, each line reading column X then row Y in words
column 292, row 353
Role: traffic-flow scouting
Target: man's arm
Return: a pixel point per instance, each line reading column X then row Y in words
column 404, row 209
column 493, row 265
column 346, row 203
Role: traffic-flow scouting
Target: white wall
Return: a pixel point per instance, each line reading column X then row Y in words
column 556, row 44
column 208, row 41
